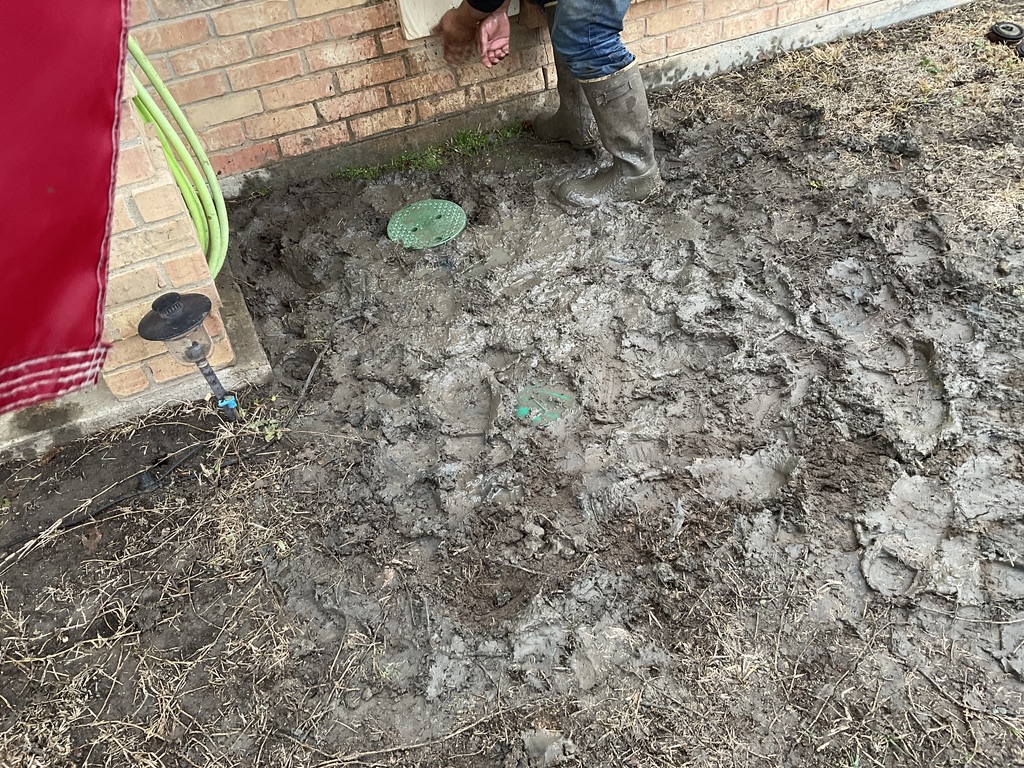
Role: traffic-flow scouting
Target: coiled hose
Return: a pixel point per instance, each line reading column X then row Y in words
column 199, row 186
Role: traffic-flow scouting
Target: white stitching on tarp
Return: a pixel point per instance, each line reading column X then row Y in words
column 37, row 379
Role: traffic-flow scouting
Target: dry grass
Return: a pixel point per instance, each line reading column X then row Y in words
column 903, row 83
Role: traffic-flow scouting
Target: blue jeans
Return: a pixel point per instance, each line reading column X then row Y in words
column 587, row 34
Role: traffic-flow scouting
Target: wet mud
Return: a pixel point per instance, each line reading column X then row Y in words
column 729, row 477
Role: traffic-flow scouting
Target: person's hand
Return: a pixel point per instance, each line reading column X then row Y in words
column 492, row 37
column 458, row 32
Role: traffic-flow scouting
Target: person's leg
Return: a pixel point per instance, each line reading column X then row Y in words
column 572, row 121
column 587, row 34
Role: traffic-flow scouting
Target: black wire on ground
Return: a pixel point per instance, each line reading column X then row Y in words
column 148, row 481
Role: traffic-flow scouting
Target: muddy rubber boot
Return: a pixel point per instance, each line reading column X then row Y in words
column 572, row 121
column 619, row 103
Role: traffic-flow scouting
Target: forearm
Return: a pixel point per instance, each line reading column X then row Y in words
column 473, row 23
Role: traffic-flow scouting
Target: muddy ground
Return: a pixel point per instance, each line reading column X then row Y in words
column 732, row 477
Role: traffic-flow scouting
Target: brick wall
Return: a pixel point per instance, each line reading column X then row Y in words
column 265, row 80
column 154, row 249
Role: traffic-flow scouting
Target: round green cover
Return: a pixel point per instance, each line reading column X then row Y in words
column 541, row 405
column 427, row 223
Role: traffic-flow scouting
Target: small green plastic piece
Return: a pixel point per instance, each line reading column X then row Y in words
column 542, row 405
column 427, row 223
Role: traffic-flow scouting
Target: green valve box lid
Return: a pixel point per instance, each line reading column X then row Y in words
column 426, row 223
column 542, row 405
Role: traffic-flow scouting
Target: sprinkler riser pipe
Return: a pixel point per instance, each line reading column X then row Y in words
column 225, row 401
column 211, row 379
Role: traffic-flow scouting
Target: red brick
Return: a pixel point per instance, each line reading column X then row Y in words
column 423, row 60
column 471, row 74
column 535, row 57
column 720, row 9
column 122, row 220
column 124, row 384
column 223, row 354
column 139, row 13
column 128, row 125
column 302, row 91
column 192, row 89
column 531, row 82
column 314, row 139
column 696, row 37
column 551, row 76
column 214, row 324
column 245, row 158
column 366, row 75
column 677, row 18
column 186, row 270
column 633, row 30
column 251, row 16
column 357, row 103
column 385, row 120
column 133, row 164
column 226, row 109
column 122, row 254
column 170, row 35
column 449, row 103
column 393, row 41
column 131, row 350
column 161, row 63
column 166, row 368
column 222, row 137
column 364, row 19
column 282, row 121
column 148, row 242
column 417, row 87
column 213, row 55
column 173, row 9
column 271, row 41
column 318, row 7
column 159, row 203
column 842, row 5
column 264, row 71
column 651, row 48
column 750, row 23
column 123, row 323
column 152, row 140
column 342, row 52
column 798, row 10
column 129, row 287
column 128, row 89
column 106, row 335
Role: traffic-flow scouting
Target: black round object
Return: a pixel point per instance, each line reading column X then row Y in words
column 174, row 315
column 1006, row 32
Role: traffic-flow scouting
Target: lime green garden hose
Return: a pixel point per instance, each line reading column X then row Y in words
column 198, row 183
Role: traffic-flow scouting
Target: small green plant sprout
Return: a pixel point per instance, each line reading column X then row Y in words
column 467, row 143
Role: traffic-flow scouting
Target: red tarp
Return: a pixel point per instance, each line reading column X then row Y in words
column 61, row 67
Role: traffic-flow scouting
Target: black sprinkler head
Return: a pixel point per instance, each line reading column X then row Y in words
column 1006, row 32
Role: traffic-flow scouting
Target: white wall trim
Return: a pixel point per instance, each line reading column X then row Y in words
column 744, row 51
